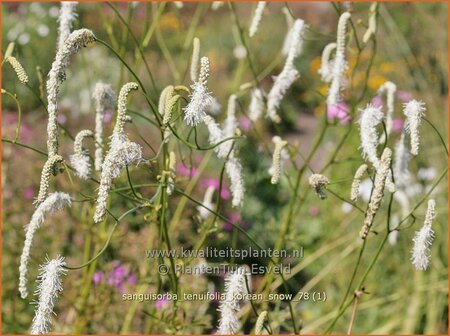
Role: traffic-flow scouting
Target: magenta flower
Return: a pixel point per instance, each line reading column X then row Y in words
column 161, row 304
column 185, row 171
column 132, row 279
column 98, row 277
column 313, row 211
column 215, row 183
column 28, row 193
column 377, row 101
column 245, row 123
column 235, row 218
column 339, row 111
column 397, row 125
column 107, row 117
column 404, row 96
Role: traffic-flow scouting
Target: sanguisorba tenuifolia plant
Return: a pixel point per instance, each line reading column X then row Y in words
column 209, row 172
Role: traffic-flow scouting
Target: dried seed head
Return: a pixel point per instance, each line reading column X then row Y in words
column 18, row 68
column 423, row 239
column 53, row 203
column 319, row 183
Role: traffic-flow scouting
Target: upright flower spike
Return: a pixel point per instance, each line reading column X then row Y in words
column 231, row 123
column 49, row 167
column 122, row 154
column 18, row 69
column 414, row 111
column 257, row 16
column 423, row 239
column 319, row 183
column 104, row 97
column 357, row 182
column 260, row 322
column 277, row 159
column 326, row 66
column 256, row 107
column 207, row 202
column 80, row 159
column 66, row 17
column 371, row 117
column 229, row 307
column 170, row 103
column 288, row 37
column 48, row 289
column 339, row 64
column 389, row 89
column 167, row 92
column 57, row 75
column 201, row 98
column 377, row 193
column 288, row 75
column 172, row 173
column 195, row 59
column 401, row 161
column 233, row 169
column 55, row 202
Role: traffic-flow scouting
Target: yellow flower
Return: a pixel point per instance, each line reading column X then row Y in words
column 376, row 81
column 387, row 67
column 169, row 22
column 315, row 65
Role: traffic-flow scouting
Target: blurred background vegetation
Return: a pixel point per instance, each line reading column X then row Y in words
column 411, row 50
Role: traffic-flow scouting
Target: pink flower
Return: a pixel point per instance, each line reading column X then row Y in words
column 313, row 211
column 397, row 125
column 339, row 111
column 28, row 193
column 107, row 117
column 161, row 304
column 61, row 119
column 245, row 123
column 215, row 183
column 98, row 277
column 404, row 96
column 377, row 101
column 185, row 171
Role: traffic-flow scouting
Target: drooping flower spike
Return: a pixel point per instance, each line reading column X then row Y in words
column 55, row 202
